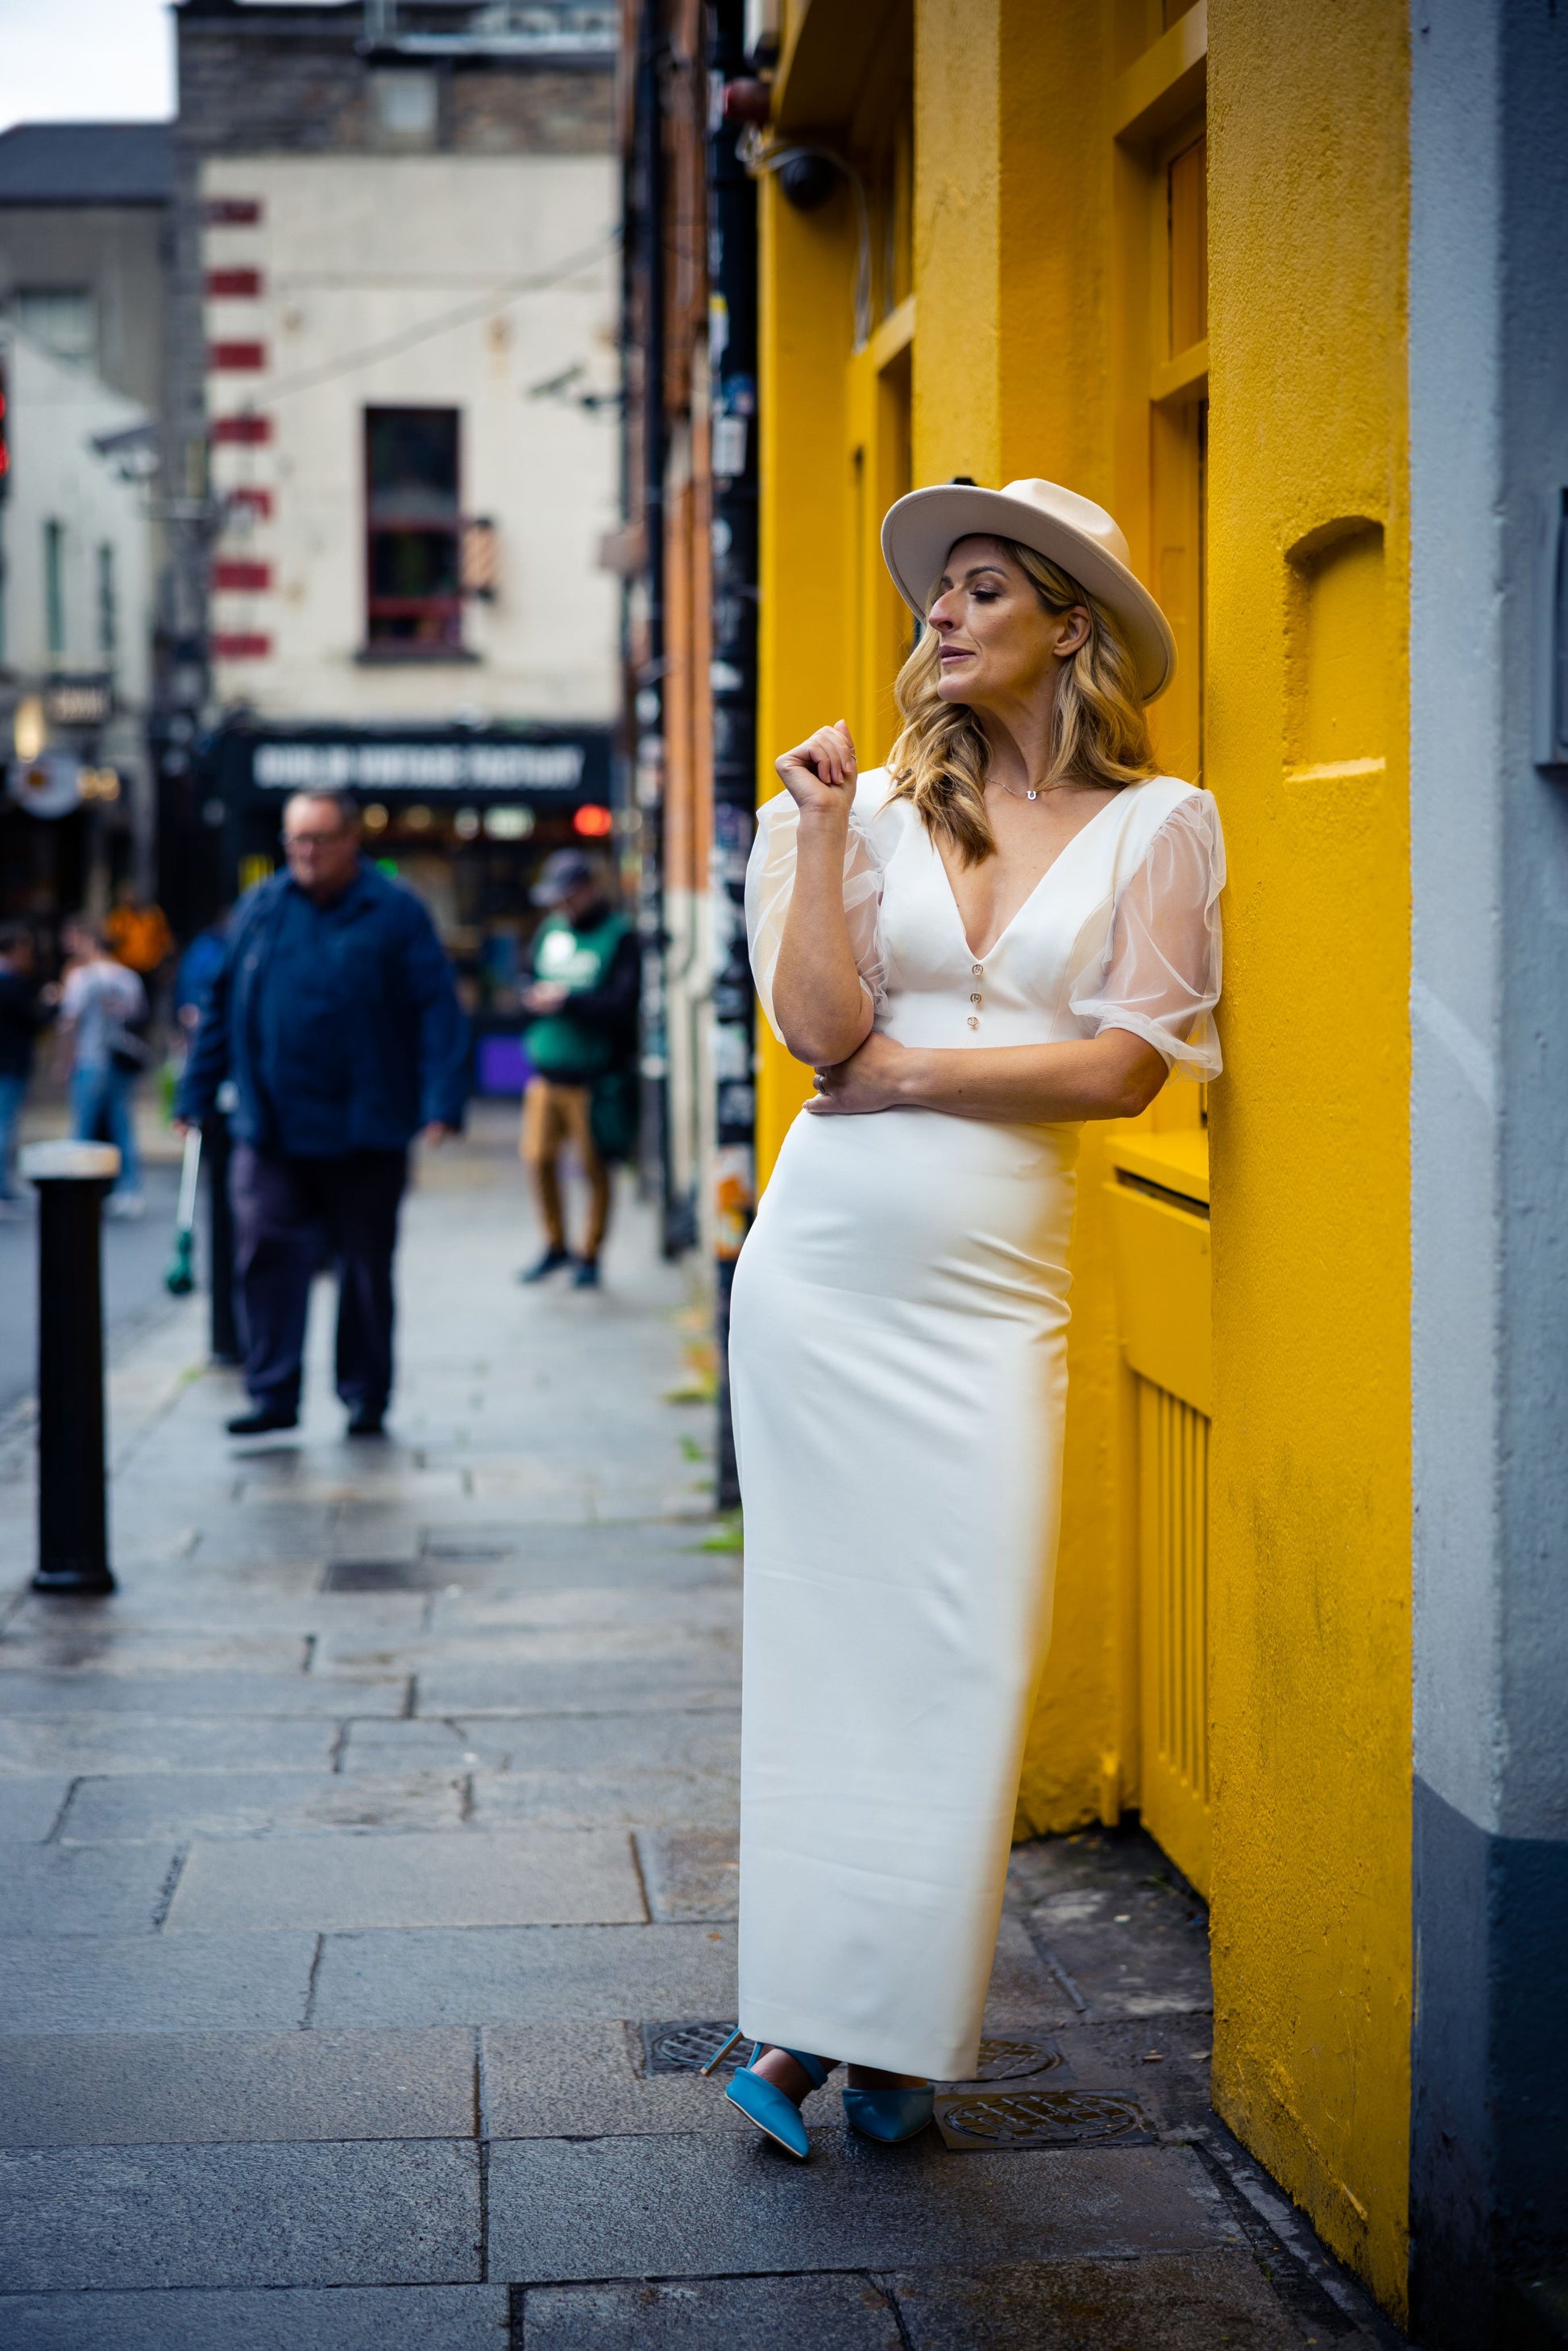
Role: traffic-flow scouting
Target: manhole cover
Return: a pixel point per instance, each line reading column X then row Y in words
column 380, row 1575
column 687, row 2048
column 1004, row 2061
column 1042, row 2119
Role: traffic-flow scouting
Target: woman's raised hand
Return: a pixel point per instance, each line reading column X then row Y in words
column 819, row 773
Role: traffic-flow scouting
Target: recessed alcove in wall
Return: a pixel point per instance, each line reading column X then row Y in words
column 1334, row 653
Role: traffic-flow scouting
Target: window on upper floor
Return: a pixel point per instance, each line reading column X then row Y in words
column 63, row 318
column 413, row 529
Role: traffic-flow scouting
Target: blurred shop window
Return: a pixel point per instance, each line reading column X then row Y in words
column 63, row 318
column 55, row 587
column 413, row 529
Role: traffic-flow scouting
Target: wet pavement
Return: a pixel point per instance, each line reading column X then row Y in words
column 136, row 1255
column 369, row 1896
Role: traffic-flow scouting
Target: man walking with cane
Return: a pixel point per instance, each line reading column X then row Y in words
column 335, row 1014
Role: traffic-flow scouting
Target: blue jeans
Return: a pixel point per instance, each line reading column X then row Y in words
column 13, row 1094
column 101, row 1112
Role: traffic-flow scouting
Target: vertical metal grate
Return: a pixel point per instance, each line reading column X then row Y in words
column 1172, row 1445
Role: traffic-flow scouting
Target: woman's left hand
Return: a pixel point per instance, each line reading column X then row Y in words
column 872, row 1078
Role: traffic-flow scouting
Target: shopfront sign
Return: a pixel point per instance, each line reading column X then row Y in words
column 409, row 765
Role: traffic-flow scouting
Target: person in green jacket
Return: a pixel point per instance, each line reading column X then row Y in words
column 580, row 1041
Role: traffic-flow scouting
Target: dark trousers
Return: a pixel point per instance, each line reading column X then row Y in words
column 285, row 1211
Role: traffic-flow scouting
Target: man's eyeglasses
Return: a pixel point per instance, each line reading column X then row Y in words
column 312, row 840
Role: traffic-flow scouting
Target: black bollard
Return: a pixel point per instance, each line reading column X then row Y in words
column 73, row 1519
column 217, row 1148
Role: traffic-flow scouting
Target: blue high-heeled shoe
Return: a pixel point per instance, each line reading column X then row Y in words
column 762, row 2102
column 890, row 2116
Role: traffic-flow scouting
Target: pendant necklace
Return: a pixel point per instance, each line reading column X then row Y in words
column 1032, row 793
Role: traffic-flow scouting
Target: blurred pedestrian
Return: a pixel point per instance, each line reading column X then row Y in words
column 581, row 1044
column 136, row 931
column 25, row 1008
column 198, row 967
column 335, row 1015
column 101, row 1004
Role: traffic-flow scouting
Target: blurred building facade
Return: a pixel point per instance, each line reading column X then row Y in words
column 84, row 253
column 1286, row 293
column 393, row 403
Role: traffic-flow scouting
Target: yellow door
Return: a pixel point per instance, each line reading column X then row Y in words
column 1159, row 1215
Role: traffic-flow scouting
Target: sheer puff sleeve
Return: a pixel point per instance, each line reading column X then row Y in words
column 1159, row 973
column 771, row 884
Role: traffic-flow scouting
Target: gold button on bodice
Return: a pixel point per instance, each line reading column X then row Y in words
column 976, row 968
column 974, row 1000
column 973, row 1022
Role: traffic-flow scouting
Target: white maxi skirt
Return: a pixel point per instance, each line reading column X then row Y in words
column 897, row 1361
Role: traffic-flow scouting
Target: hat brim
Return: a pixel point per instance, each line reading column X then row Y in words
column 920, row 528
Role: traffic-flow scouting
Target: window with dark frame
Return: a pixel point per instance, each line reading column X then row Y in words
column 414, row 585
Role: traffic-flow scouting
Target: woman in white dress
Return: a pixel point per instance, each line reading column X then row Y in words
column 1011, row 928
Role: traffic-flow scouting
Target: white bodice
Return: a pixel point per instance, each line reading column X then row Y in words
column 1122, row 930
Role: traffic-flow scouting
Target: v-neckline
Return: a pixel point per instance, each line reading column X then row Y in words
column 1025, row 903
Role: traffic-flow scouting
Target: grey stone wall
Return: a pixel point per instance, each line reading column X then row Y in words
column 248, row 90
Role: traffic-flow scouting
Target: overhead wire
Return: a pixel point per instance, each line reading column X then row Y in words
column 469, row 313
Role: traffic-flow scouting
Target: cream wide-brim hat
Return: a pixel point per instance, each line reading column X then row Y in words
column 1071, row 531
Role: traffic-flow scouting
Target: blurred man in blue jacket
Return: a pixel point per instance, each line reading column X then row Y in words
column 335, row 1015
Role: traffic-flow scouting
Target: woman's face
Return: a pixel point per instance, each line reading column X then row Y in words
column 999, row 646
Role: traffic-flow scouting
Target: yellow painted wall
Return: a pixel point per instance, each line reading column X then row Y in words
column 1012, row 241
column 805, row 328
column 1307, row 746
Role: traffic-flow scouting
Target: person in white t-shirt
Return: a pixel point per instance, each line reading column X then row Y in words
column 99, row 1001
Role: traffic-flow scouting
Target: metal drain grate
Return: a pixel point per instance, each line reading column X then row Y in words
column 1042, row 2119
column 1005, row 2060
column 684, row 2048
column 382, row 1575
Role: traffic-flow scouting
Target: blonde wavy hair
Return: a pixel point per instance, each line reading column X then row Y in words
column 1098, row 733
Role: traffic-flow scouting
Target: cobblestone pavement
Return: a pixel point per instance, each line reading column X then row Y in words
column 363, row 1853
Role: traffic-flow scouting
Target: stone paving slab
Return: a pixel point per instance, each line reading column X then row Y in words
column 1215, row 2300
column 525, row 1975
column 581, row 2078
column 848, row 2313
column 84, row 1889
column 179, row 1603
column 29, row 1808
column 711, row 1604
column 693, row 1803
column 517, row 1877
column 602, row 1558
column 183, row 1804
column 297, row 2318
column 705, row 1650
column 171, row 1695
column 356, row 2214
column 618, row 1687
column 156, row 1983
column 155, row 1742
column 97, row 1647
column 712, row 2202
column 1127, row 1947
column 691, row 1875
column 173, row 2088
column 669, row 1740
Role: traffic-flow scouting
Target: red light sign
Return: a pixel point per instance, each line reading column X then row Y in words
column 593, row 823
